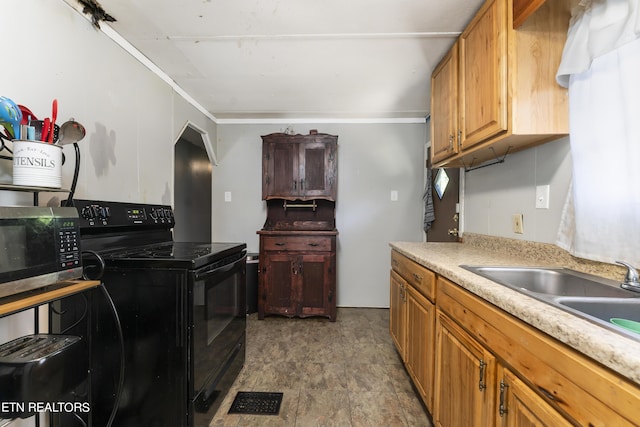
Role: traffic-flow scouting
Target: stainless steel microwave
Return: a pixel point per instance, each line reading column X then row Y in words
column 39, row 246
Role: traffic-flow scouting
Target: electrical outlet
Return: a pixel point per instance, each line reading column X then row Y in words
column 517, row 222
column 227, row 196
column 394, row 195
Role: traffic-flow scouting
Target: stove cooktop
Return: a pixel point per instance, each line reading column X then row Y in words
column 177, row 254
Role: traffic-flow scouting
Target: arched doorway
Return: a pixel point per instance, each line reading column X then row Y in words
column 192, row 187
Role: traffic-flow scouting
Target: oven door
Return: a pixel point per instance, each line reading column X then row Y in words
column 218, row 330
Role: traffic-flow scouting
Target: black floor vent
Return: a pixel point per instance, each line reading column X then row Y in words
column 256, row 403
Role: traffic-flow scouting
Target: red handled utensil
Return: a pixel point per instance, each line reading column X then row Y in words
column 44, row 137
column 54, row 116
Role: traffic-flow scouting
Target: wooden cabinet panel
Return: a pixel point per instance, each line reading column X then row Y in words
column 444, row 107
column 483, row 75
column 566, row 380
column 297, row 275
column 316, row 292
column 506, row 97
column 416, row 275
column 520, row 406
column 299, row 167
column 465, row 376
column 412, row 320
column 420, row 339
column 398, row 313
column 280, row 166
column 295, row 243
column 277, row 269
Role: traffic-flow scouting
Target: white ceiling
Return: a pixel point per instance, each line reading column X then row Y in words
column 253, row 59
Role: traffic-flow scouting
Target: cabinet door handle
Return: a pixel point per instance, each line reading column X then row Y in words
column 302, row 185
column 502, row 408
column 481, row 383
column 295, row 184
column 459, row 139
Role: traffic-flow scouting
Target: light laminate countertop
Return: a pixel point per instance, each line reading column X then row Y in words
column 616, row 351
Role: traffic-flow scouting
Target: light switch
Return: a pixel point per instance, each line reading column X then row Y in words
column 227, row 196
column 394, row 195
column 542, row 197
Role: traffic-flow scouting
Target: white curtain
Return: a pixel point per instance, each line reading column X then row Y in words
column 601, row 62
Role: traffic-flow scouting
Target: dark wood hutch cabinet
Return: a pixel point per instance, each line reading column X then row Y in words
column 299, row 167
column 297, row 262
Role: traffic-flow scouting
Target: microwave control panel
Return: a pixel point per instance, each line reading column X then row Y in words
column 68, row 242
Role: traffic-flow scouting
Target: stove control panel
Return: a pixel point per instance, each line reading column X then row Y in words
column 101, row 214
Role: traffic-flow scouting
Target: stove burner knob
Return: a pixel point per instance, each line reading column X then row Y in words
column 168, row 213
column 89, row 212
column 104, row 212
column 153, row 213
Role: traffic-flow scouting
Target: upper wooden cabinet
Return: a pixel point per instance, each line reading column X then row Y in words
column 495, row 92
column 444, row 107
column 299, row 167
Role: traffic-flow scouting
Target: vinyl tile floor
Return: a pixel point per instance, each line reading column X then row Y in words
column 343, row 373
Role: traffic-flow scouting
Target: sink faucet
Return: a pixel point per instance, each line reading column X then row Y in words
column 631, row 279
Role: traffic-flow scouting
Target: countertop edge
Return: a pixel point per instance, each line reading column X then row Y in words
column 615, row 351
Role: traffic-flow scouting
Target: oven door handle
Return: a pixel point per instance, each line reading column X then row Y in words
column 206, row 272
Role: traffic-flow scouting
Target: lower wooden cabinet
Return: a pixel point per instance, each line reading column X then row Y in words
column 465, row 378
column 419, row 352
column 487, row 393
column 297, row 275
column 520, row 406
column 412, row 319
column 398, row 313
column 475, row 365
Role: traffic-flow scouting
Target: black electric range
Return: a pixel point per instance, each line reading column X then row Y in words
column 181, row 309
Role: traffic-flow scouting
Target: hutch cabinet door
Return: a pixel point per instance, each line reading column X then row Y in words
column 318, row 170
column 316, row 293
column 280, row 168
column 277, row 285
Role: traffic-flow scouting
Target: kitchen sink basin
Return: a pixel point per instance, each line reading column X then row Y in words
column 605, row 308
column 592, row 298
column 552, row 281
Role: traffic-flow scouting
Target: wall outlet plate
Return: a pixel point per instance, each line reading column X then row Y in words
column 517, row 221
column 542, row 197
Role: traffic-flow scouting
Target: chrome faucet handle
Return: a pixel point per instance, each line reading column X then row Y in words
column 631, row 279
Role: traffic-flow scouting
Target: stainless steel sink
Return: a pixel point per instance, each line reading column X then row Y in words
column 592, row 298
column 551, row 281
column 605, row 308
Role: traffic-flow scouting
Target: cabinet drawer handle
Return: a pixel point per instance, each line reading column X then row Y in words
column 547, row 393
column 417, row 277
column 280, row 244
column 481, row 383
column 314, row 244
